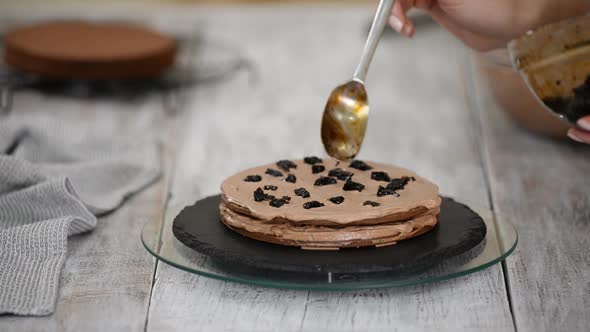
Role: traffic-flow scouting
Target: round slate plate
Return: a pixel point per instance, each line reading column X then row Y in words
column 198, row 226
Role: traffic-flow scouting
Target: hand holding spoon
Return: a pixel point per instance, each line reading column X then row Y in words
column 347, row 111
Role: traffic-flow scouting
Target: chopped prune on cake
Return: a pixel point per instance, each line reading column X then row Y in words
column 286, row 199
column 408, row 178
column 399, row 183
column 312, row 160
column 371, row 203
column 291, row 178
column 336, row 199
column 324, row 181
column 270, row 187
column 361, row 166
column 277, row 202
column 312, row 205
column 253, row 178
column 383, row 191
column 273, row 172
column 380, row 176
column 302, row 192
column 351, row 185
column 317, row 169
column 286, row 165
column 260, row 196
column 340, row 174
column 396, row 184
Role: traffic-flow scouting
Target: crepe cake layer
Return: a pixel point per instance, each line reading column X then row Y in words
column 326, row 237
column 417, row 197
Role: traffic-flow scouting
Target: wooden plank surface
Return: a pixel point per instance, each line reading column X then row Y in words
column 106, row 281
column 543, row 187
column 419, row 120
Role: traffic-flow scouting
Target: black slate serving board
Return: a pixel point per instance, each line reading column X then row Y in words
column 198, row 227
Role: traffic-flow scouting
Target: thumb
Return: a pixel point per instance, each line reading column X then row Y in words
column 399, row 20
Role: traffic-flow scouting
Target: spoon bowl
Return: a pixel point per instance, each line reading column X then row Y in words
column 347, row 111
column 345, row 120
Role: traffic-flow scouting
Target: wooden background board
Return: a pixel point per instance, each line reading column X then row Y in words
column 244, row 123
column 429, row 113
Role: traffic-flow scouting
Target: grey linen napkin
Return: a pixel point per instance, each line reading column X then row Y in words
column 56, row 176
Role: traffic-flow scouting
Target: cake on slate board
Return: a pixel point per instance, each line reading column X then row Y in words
column 322, row 204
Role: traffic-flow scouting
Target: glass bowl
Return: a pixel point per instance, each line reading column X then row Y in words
column 554, row 61
column 542, row 79
column 514, row 96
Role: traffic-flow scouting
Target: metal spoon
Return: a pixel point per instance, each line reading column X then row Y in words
column 347, row 111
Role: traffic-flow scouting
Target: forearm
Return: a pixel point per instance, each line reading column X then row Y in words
column 556, row 10
column 507, row 19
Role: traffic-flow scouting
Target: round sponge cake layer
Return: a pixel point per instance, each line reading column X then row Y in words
column 85, row 50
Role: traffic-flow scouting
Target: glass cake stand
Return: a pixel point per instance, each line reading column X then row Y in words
column 500, row 241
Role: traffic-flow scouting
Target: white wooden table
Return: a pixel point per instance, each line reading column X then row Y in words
column 429, row 113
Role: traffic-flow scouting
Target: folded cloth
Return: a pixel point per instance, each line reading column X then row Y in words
column 56, row 177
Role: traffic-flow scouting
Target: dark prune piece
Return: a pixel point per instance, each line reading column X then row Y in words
column 259, row 195
column 302, row 192
column 399, row 183
column 324, row 181
column 312, row 204
column 291, row 178
column 277, row 202
column 351, row 185
column 286, row 165
column 380, row 176
column 337, row 199
column 572, row 107
column 361, row 166
column 312, row 160
column 371, row 203
column 273, row 172
column 558, row 104
column 253, row 178
column 395, row 184
column 579, row 107
column 270, row 187
column 340, row 174
column 583, row 90
column 317, row 169
column 382, row 191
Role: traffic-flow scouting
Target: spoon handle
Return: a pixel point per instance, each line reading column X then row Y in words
column 377, row 27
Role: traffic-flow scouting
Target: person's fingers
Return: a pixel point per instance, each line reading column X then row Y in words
column 584, row 123
column 399, row 20
column 579, row 135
